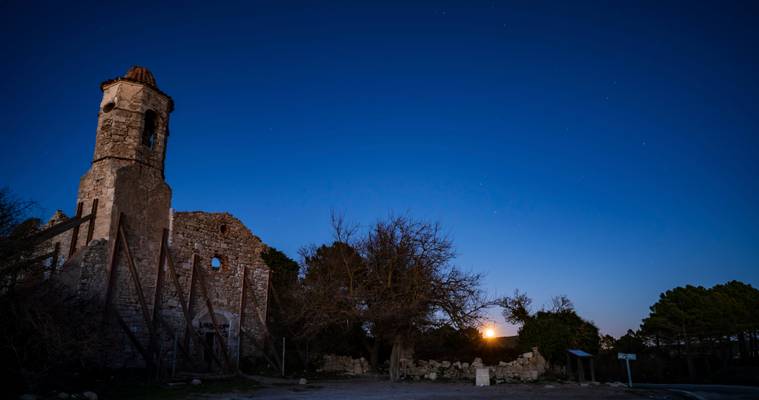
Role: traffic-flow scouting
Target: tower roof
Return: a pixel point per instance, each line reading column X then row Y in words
column 142, row 75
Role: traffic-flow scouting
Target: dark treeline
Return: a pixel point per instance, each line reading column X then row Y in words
column 696, row 334
column 692, row 334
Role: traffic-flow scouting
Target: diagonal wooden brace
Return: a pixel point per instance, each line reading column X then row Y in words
column 180, row 298
column 137, row 284
column 212, row 314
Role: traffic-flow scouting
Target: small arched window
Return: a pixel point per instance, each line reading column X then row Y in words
column 148, row 131
column 216, row 263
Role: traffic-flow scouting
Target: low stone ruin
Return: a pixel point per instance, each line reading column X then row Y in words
column 344, row 365
column 528, row 367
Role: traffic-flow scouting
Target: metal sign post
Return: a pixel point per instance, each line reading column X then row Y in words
column 627, row 357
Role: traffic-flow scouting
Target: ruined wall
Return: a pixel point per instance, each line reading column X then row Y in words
column 346, row 365
column 126, row 179
column 527, row 367
column 220, row 235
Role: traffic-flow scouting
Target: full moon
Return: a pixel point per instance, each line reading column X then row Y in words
column 489, row 333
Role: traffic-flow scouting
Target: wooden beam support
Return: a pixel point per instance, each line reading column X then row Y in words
column 92, row 216
column 14, row 269
column 54, row 261
column 157, row 299
column 212, row 314
column 136, row 281
column 58, row 229
column 185, row 351
column 267, row 334
column 190, row 296
column 133, row 339
column 241, row 314
column 159, row 279
column 112, row 262
column 75, row 233
column 185, row 311
column 55, row 230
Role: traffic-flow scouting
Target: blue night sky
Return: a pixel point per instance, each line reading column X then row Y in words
column 607, row 151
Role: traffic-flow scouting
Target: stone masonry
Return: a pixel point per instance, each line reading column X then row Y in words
column 126, row 192
column 528, row 367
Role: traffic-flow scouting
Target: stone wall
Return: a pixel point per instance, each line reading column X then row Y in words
column 344, row 365
column 240, row 307
column 527, row 367
column 121, row 123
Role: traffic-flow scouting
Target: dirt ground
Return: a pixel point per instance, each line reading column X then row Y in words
column 375, row 389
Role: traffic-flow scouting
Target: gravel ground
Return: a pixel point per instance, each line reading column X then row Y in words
column 373, row 389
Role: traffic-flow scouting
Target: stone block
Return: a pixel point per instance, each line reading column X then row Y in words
column 482, row 377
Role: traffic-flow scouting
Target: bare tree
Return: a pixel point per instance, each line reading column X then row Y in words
column 516, row 309
column 561, row 303
column 16, row 250
column 45, row 330
column 394, row 280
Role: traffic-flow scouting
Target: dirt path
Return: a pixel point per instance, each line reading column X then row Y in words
column 373, row 389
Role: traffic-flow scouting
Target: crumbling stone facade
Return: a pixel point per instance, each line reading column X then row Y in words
column 154, row 269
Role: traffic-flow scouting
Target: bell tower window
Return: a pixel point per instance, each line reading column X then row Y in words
column 148, row 131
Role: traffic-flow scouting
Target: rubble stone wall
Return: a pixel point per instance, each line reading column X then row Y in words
column 347, row 365
column 527, row 367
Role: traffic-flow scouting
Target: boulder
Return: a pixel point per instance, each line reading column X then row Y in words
column 195, row 382
column 90, row 395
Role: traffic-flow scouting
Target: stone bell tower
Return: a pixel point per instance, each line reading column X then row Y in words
column 127, row 172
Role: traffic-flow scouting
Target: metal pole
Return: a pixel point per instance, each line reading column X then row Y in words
column 283, row 356
column 629, row 376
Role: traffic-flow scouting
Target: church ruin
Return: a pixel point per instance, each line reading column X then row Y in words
column 177, row 288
